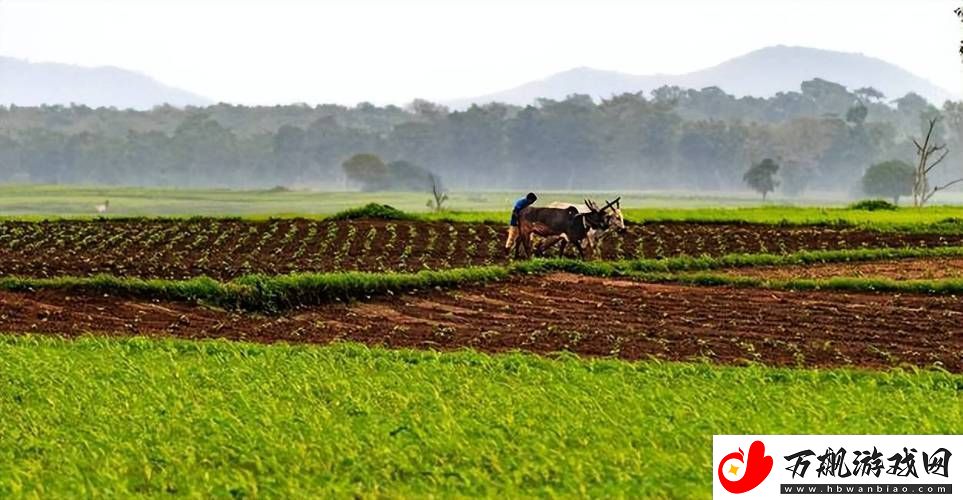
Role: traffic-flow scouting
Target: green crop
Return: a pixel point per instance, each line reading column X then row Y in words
column 106, row 417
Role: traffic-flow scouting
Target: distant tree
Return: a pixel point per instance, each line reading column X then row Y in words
column 921, row 177
column 667, row 95
column 439, row 196
column 856, row 115
column 667, row 138
column 796, row 177
column 912, row 105
column 366, row 169
column 953, row 120
column 831, row 96
column 428, row 109
column 202, row 146
column 761, row 177
column 406, row 176
column 291, row 152
column 373, row 174
column 869, row 94
column 891, row 179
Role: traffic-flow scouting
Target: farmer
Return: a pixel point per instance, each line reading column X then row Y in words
column 520, row 205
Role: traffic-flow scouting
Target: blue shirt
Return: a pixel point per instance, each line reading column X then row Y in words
column 519, row 206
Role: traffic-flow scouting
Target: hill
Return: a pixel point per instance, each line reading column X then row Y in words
column 761, row 73
column 26, row 83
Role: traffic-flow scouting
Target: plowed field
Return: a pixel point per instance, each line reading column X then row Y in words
column 225, row 248
column 560, row 312
column 899, row 269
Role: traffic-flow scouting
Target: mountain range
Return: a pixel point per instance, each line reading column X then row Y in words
column 761, row 73
column 27, row 83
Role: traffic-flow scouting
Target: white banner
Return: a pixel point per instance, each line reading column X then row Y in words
column 806, row 466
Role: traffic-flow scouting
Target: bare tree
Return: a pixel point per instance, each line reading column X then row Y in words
column 921, row 184
column 440, row 196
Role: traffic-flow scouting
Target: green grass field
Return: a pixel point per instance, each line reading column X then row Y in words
column 49, row 200
column 100, row 417
column 81, row 200
column 38, row 202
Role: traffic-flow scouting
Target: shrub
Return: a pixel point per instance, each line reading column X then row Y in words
column 872, row 205
column 372, row 211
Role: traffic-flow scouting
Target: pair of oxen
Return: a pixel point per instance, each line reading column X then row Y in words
column 583, row 226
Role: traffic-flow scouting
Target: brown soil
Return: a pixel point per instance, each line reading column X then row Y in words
column 227, row 248
column 559, row 312
column 898, row 269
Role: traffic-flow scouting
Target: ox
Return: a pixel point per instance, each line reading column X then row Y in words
column 568, row 224
column 612, row 212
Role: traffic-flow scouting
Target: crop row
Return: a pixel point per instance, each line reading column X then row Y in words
column 227, row 248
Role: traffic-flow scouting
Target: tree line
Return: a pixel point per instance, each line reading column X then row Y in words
column 823, row 137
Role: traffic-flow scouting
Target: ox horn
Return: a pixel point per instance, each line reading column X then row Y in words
column 610, row 203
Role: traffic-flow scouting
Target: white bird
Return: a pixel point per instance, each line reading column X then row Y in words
column 101, row 209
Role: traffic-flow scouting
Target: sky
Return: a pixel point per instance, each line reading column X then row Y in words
column 284, row 51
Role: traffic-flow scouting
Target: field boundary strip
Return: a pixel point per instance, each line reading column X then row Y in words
column 274, row 293
column 839, row 218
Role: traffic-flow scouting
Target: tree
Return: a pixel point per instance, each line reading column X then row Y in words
column 830, row 96
column 916, row 112
column 438, row 193
column 760, row 177
column 428, row 109
column 406, row 176
column 291, row 153
column 869, row 94
column 374, row 175
column 203, row 150
column 367, row 169
column 796, row 177
column 953, row 120
column 677, row 139
column 856, row 115
column 921, row 184
column 891, row 179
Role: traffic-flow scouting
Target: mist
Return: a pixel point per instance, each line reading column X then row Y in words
column 823, row 137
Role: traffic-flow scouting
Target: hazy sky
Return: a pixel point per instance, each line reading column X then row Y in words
column 265, row 52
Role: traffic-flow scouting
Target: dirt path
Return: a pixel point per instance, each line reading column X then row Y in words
column 898, row 269
column 559, row 312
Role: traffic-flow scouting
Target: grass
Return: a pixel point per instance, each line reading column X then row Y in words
column 260, row 292
column 945, row 286
column 107, row 417
column 274, row 293
column 76, row 200
column 37, row 202
column 703, row 263
column 938, row 219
